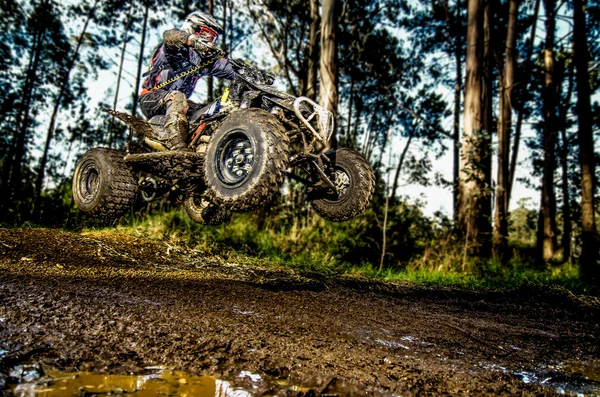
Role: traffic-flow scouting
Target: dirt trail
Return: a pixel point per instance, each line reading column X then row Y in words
column 118, row 304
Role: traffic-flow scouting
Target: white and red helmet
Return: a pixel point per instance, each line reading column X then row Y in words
column 202, row 25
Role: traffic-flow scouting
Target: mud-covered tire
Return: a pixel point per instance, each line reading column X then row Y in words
column 104, row 186
column 245, row 160
column 357, row 180
column 202, row 211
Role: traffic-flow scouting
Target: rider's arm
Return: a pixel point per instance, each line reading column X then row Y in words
column 223, row 69
column 175, row 39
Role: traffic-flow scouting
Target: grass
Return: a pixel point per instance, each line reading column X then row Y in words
column 312, row 245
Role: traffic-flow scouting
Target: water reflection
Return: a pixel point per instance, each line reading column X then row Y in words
column 579, row 378
column 158, row 381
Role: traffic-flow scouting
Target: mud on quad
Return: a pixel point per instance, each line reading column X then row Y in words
column 242, row 145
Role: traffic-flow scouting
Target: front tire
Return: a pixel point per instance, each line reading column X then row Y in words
column 245, row 160
column 103, row 184
column 355, row 180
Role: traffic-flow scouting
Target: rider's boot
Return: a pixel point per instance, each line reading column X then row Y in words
column 176, row 129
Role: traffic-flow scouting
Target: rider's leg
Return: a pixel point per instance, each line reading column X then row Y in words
column 176, row 123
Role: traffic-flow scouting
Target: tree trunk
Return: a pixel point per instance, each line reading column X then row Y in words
column 454, row 27
column 400, row 164
column 488, row 127
column 457, row 97
column 504, row 128
column 527, row 73
column 230, row 25
column 564, row 164
column 223, row 43
column 210, row 80
column 328, row 70
column 354, row 139
column 472, row 182
column 588, row 266
column 121, row 62
column 546, row 236
column 350, row 106
column 20, row 141
column 313, row 50
column 51, row 127
column 562, row 72
column 140, row 59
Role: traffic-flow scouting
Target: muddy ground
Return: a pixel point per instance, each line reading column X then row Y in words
column 118, row 304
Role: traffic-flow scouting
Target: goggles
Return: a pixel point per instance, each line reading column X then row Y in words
column 207, row 34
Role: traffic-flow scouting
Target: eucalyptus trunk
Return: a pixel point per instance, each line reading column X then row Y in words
column 220, row 85
column 519, row 124
column 564, row 164
column 472, row 217
column 313, row 50
column 350, row 107
column 500, row 237
column 118, row 87
column 546, row 235
column 210, row 80
column 24, row 118
column 328, row 87
column 457, row 98
column 400, row 164
column 588, row 266
column 140, row 59
column 456, row 135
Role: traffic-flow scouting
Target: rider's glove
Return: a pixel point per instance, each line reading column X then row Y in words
column 204, row 48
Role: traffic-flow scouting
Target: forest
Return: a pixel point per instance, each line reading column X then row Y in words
column 499, row 91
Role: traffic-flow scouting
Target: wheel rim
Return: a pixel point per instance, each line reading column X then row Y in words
column 235, row 159
column 342, row 182
column 88, row 185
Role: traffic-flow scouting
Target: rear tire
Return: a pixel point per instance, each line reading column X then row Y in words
column 356, row 180
column 103, row 184
column 202, row 211
column 245, row 160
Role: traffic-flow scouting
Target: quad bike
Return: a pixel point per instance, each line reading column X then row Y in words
column 241, row 147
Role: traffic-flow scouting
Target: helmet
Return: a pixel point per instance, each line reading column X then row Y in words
column 202, row 24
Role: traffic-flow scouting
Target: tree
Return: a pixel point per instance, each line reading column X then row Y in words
column 473, row 220
column 126, row 28
column 500, row 236
column 547, row 232
column 588, row 262
column 312, row 51
column 328, row 86
column 141, row 54
column 524, row 97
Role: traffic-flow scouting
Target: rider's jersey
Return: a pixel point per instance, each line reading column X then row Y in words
column 174, row 57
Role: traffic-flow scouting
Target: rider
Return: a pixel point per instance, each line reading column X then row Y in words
column 183, row 57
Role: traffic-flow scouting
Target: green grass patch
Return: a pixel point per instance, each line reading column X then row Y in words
column 311, row 245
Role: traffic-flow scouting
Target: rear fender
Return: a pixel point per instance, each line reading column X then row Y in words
column 148, row 129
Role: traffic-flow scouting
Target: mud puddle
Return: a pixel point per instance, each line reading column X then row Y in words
column 41, row 381
column 574, row 378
